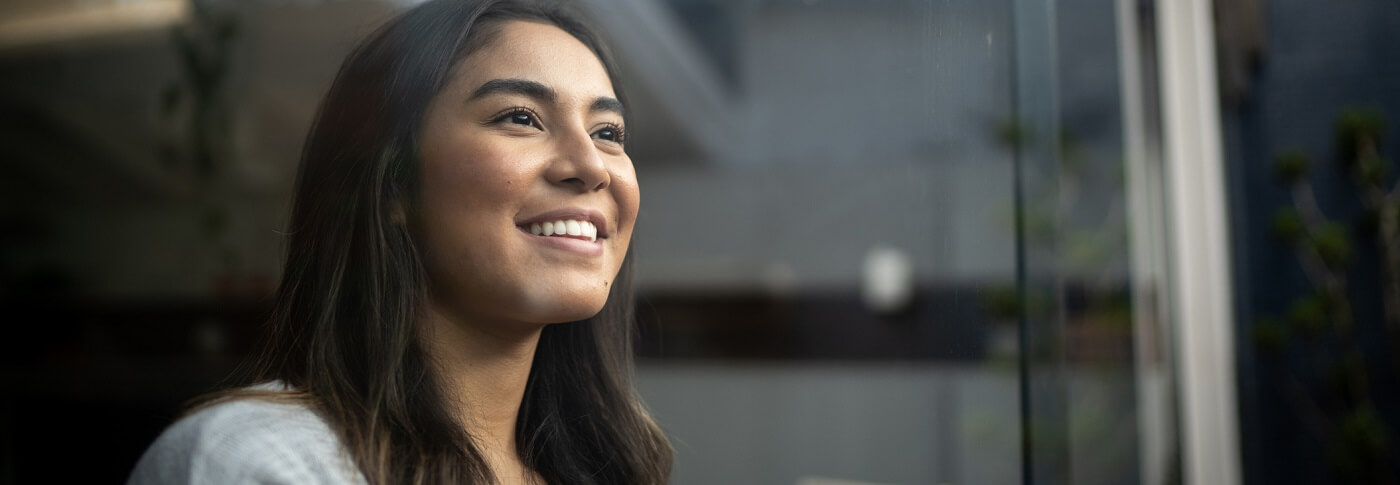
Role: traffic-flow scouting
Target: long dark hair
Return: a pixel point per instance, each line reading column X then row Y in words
column 344, row 333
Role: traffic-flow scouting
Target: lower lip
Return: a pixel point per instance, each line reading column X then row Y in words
column 579, row 246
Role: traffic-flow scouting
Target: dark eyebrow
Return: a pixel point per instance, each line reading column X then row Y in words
column 540, row 92
column 515, row 86
column 607, row 104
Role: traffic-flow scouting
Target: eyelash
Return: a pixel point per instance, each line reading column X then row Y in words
column 620, row 136
column 508, row 116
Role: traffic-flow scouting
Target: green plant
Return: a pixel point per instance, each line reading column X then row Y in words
column 1076, row 303
column 197, row 103
column 1073, row 220
column 198, row 109
column 1341, row 411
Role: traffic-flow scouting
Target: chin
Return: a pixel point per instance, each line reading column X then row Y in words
column 567, row 315
column 566, row 307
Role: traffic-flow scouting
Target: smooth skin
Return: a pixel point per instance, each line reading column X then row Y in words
column 529, row 124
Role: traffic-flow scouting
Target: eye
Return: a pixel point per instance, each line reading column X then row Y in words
column 612, row 133
column 517, row 116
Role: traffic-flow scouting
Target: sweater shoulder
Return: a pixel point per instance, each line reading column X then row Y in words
column 247, row 441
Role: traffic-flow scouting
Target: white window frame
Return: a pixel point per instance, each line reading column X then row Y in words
column 1198, row 243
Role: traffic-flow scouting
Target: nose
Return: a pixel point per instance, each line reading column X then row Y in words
column 578, row 164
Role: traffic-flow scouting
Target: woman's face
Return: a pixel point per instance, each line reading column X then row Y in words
column 528, row 198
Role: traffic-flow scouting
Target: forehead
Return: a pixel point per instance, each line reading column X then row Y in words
column 537, row 52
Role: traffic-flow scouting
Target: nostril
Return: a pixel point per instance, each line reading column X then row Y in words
column 583, row 184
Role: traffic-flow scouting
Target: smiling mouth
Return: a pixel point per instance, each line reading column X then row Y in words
column 566, row 228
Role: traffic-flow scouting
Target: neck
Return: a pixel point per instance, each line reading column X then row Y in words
column 484, row 369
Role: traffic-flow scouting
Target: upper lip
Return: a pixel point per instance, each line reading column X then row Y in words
column 569, row 214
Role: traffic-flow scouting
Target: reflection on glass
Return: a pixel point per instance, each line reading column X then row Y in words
column 859, row 220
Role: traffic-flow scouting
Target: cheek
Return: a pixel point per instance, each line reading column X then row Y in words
column 468, row 199
column 476, row 179
column 628, row 196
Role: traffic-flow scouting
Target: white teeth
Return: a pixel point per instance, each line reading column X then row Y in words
column 583, row 229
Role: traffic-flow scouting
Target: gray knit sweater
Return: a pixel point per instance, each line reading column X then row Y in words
column 247, row 441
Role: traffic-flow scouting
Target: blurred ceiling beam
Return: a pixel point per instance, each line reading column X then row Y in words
column 669, row 72
column 30, row 23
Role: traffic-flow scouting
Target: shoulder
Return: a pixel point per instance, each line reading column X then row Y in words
column 247, row 441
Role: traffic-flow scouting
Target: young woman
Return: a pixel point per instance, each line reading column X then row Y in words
column 456, row 304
